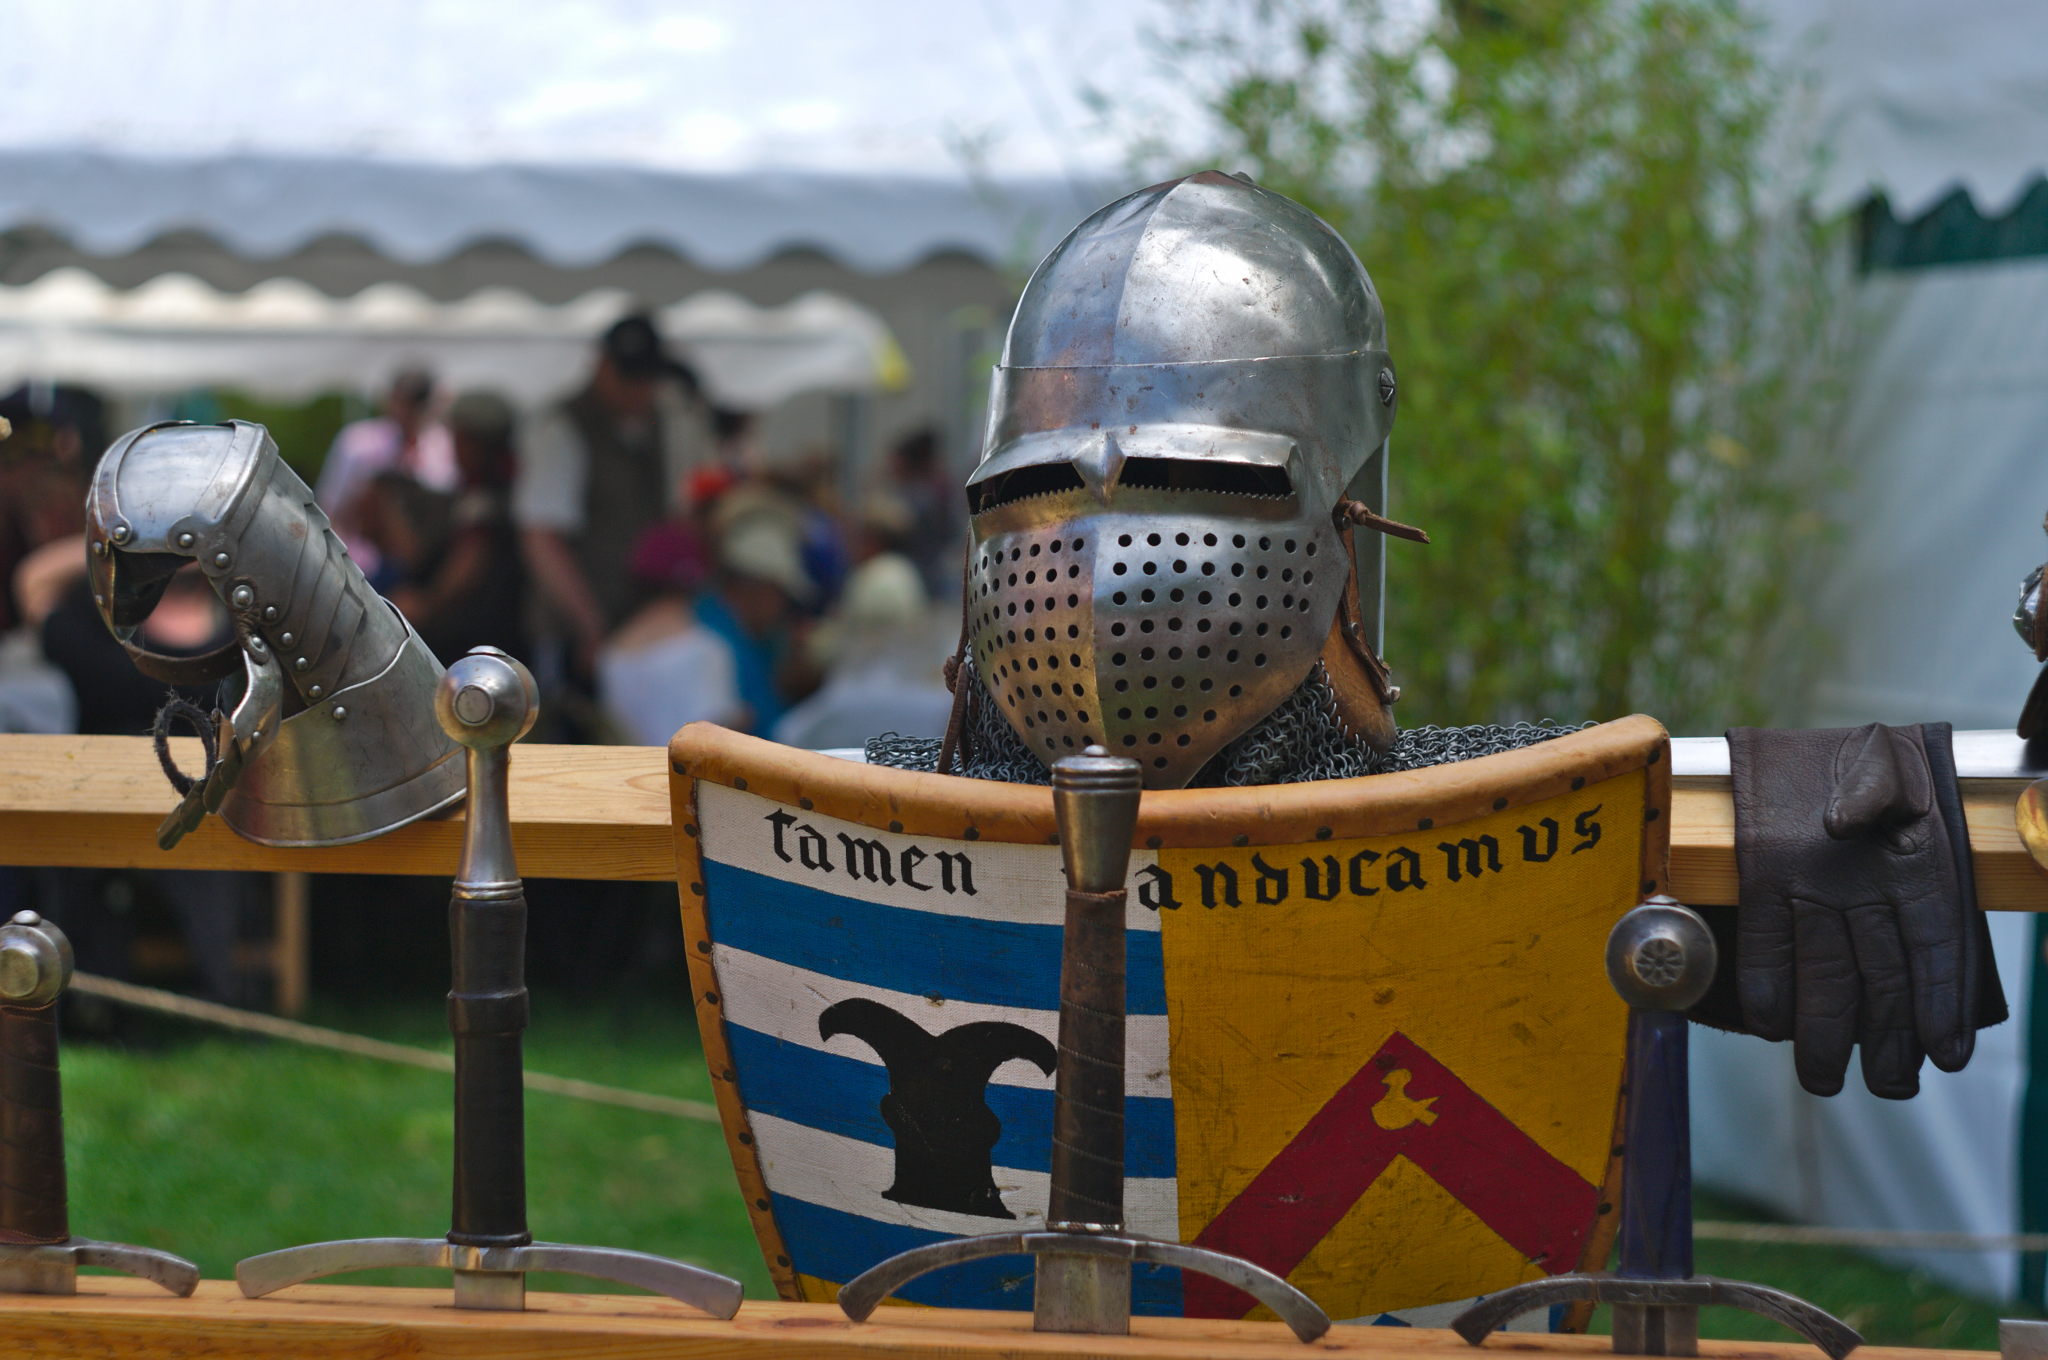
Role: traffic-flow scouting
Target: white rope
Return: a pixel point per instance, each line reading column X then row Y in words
column 1905, row 1239
column 314, row 1036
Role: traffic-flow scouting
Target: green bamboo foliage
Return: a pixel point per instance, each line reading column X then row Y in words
column 1612, row 336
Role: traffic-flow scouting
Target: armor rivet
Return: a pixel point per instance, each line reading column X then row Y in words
column 120, row 533
column 285, row 639
column 1386, row 387
column 300, row 664
column 1393, row 694
column 270, row 613
column 186, row 540
column 221, row 559
column 339, row 713
column 257, row 644
column 315, row 691
column 243, row 597
column 100, row 548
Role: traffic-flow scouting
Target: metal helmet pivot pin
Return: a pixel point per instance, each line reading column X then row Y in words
column 485, row 702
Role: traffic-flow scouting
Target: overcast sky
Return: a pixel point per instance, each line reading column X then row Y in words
column 724, row 84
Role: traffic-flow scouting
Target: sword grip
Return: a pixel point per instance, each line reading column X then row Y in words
column 1656, row 1186
column 487, row 701
column 1095, row 797
column 32, row 1191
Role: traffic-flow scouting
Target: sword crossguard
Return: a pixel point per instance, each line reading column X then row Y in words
column 864, row 1293
column 491, row 1277
column 1834, row 1337
column 52, row 1267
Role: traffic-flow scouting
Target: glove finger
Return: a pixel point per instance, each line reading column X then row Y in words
column 1764, row 960
column 1824, row 1022
column 1935, row 936
column 1886, row 1030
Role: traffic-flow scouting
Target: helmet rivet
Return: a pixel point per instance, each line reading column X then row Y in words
column 300, row 664
column 339, row 713
column 243, row 597
column 120, row 533
column 186, row 540
column 314, row 691
column 1386, row 387
column 221, row 559
column 270, row 613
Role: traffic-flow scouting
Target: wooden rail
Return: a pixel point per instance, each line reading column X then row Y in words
column 334, row 1322
column 603, row 812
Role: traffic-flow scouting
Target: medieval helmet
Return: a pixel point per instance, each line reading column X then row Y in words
column 1195, row 379
column 328, row 697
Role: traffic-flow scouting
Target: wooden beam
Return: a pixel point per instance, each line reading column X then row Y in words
column 113, row 1316
column 603, row 812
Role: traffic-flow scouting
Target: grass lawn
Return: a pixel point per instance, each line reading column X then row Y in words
column 218, row 1147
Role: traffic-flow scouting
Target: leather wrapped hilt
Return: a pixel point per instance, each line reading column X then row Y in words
column 1088, row 1123
column 487, row 1011
column 32, row 1189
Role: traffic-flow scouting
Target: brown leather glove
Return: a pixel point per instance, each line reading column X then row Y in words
column 1858, row 923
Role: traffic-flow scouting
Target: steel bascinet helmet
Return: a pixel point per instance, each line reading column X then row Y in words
column 1195, row 380
column 327, row 731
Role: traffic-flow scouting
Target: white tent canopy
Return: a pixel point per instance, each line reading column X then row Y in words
column 285, row 340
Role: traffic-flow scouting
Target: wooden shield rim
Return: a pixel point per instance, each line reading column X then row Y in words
column 909, row 802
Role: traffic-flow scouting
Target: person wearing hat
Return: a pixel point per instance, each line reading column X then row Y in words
column 598, row 471
column 756, row 603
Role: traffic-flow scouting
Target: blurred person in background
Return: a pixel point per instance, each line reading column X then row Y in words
column 58, row 432
column 598, row 471
column 661, row 668
column 756, row 603
column 935, row 542
column 882, row 646
column 465, row 588
column 405, row 439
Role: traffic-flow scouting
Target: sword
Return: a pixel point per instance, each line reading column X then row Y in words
column 38, row 1254
column 1660, row 958
column 487, row 701
column 1083, row 1258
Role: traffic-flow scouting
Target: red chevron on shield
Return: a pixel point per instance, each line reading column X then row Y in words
column 1401, row 1103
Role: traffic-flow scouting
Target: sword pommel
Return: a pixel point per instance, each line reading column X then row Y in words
column 35, row 963
column 1095, row 797
column 487, row 700
column 1661, row 956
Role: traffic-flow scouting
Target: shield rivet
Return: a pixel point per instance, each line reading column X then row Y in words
column 120, row 533
column 243, row 597
column 339, row 712
column 186, row 540
column 221, row 559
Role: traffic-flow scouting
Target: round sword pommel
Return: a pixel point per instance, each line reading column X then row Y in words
column 487, row 699
column 1661, row 956
column 35, row 962
column 1095, row 797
